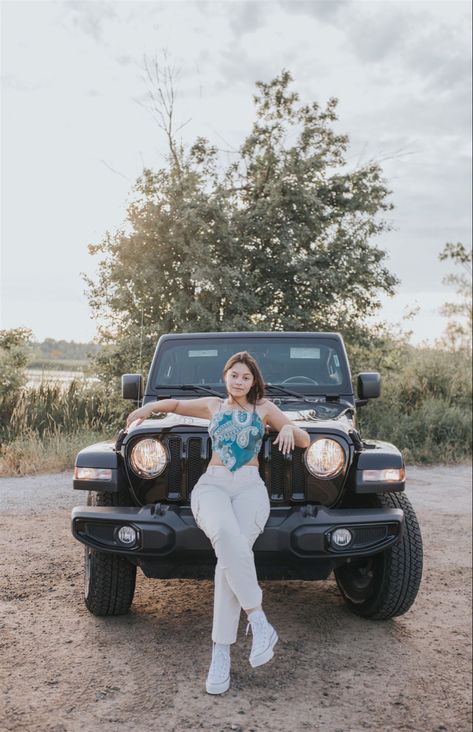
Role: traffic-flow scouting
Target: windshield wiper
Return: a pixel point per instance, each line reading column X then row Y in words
column 314, row 415
column 289, row 392
column 188, row 387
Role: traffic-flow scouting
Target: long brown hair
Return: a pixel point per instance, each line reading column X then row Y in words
column 257, row 389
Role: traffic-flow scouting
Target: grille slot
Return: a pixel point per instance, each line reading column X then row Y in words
column 195, row 464
column 298, row 474
column 277, row 480
column 175, row 467
column 365, row 535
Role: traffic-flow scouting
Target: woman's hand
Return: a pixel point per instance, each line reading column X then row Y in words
column 285, row 439
column 138, row 415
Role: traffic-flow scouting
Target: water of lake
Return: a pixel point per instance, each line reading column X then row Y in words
column 63, row 378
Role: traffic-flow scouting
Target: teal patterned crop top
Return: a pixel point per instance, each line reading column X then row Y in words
column 236, row 436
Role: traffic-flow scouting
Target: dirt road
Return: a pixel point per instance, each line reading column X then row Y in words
column 65, row 670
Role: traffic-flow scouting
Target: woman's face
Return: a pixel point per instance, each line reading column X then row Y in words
column 239, row 380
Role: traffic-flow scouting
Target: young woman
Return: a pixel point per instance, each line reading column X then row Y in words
column 230, row 503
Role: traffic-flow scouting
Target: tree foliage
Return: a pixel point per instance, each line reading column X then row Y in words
column 52, row 349
column 282, row 238
column 458, row 332
column 13, row 360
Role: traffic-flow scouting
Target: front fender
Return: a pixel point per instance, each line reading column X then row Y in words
column 100, row 455
column 378, row 455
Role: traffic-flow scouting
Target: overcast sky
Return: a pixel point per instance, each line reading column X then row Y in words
column 75, row 136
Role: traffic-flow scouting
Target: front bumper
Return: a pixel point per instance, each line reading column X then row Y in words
column 293, row 535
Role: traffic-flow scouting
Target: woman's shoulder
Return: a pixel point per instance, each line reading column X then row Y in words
column 262, row 406
column 215, row 404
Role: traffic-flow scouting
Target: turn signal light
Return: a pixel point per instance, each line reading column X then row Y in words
column 387, row 475
column 92, row 473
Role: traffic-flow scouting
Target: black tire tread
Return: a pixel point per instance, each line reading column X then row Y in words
column 405, row 562
column 403, row 565
column 112, row 593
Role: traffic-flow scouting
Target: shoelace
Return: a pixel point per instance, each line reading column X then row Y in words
column 260, row 628
column 219, row 665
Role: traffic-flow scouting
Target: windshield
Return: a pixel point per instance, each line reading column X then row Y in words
column 309, row 365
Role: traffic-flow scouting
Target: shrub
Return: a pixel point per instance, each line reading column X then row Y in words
column 425, row 407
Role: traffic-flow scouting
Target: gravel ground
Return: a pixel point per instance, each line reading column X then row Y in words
column 63, row 669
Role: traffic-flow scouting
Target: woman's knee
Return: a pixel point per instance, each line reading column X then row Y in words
column 227, row 541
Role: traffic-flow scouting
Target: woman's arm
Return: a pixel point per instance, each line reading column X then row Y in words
column 202, row 407
column 290, row 435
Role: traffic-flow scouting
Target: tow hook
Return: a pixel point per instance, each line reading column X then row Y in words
column 157, row 509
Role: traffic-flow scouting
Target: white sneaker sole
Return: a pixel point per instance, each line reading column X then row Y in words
column 217, row 688
column 267, row 655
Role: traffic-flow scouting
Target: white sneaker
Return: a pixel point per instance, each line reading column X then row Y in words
column 264, row 638
column 218, row 679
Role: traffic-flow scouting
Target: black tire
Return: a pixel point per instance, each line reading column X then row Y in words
column 386, row 584
column 109, row 581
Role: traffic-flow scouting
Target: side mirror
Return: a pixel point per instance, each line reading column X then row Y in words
column 369, row 385
column 132, row 387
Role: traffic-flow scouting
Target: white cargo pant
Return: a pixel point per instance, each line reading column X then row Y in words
column 232, row 508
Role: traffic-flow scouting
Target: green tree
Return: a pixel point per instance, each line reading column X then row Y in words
column 13, row 360
column 458, row 332
column 282, row 238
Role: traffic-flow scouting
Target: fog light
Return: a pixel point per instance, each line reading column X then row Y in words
column 341, row 537
column 127, row 535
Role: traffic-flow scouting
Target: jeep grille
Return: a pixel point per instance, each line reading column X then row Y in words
column 286, row 477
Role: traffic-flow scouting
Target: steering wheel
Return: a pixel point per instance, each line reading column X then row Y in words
column 305, row 378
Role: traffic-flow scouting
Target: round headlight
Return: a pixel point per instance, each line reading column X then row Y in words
column 325, row 458
column 148, row 458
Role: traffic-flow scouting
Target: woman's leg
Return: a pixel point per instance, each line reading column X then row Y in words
column 251, row 509
column 226, row 611
column 252, row 609
column 236, row 583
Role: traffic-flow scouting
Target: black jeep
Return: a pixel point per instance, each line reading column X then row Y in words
column 337, row 505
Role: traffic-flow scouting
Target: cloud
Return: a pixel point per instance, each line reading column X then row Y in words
column 325, row 10
column 254, row 68
column 247, row 17
column 425, row 116
column 124, row 59
column 8, row 81
column 426, row 40
column 440, row 56
column 90, row 17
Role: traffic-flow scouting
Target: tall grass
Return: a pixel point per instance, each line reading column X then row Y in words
column 424, row 408
column 48, row 408
column 46, row 426
column 54, row 451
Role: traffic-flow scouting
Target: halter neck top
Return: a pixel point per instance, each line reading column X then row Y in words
column 236, row 436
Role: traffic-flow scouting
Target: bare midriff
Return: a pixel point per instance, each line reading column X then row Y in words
column 216, row 461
